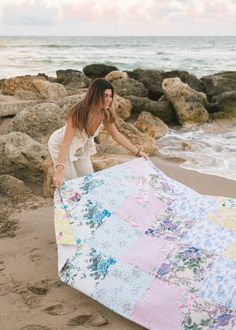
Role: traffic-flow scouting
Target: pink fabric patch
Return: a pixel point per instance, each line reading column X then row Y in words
column 160, row 308
column 148, row 253
column 141, row 213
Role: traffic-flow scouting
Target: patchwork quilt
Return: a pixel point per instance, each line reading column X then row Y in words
column 149, row 248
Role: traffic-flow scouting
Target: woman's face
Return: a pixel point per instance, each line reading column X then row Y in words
column 107, row 98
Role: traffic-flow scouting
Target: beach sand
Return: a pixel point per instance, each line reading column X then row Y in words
column 33, row 297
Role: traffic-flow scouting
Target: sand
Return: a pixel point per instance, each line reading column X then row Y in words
column 31, row 294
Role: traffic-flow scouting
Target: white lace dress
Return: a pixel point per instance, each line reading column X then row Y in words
column 81, row 148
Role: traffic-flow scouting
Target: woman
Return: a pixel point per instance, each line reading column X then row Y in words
column 72, row 145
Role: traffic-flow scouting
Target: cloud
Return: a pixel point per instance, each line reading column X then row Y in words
column 25, row 13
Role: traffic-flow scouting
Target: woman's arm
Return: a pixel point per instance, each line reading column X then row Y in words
column 123, row 141
column 68, row 136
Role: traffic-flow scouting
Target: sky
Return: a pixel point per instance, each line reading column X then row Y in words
column 117, row 17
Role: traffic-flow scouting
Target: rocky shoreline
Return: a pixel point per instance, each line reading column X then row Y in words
column 146, row 102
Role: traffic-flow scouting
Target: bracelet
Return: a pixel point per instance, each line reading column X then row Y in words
column 137, row 154
column 60, row 164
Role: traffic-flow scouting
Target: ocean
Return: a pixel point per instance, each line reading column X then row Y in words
column 213, row 148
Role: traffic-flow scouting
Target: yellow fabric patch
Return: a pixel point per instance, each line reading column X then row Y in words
column 63, row 230
column 225, row 217
column 230, row 252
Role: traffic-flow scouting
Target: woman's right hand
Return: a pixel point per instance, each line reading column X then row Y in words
column 58, row 177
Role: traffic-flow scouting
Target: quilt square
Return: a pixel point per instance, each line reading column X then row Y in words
column 122, row 288
column 200, row 314
column 148, row 253
column 219, row 285
column 170, row 225
column 85, row 268
column 208, row 236
column 152, row 311
column 140, row 211
column 186, row 267
column 114, row 237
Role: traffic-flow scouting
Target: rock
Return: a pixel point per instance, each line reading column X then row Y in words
column 11, row 85
column 122, row 107
column 50, row 91
column 48, row 173
column 188, row 103
column 100, row 162
column 143, row 141
column 5, row 125
column 151, row 125
column 98, row 70
column 129, row 86
column 152, row 79
column 39, row 120
column 226, row 103
column 161, row 108
column 14, row 107
column 114, row 75
column 14, row 188
column 27, row 95
column 72, row 78
column 68, row 101
column 22, row 156
column 108, row 148
column 186, row 77
column 219, row 83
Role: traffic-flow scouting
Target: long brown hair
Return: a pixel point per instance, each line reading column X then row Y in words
column 79, row 113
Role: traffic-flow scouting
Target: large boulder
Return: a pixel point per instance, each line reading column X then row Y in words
column 108, row 148
column 50, row 91
column 151, row 125
column 72, row 78
column 226, row 103
column 219, row 83
column 188, row 103
column 98, row 70
column 11, row 108
column 22, row 156
column 11, row 85
column 114, row 75
column 27, row 95
column 39, row 120
column 129, row 86
column 68, row 101
column 143, row 141
column 161, row 108
column 152, row 79
column 186, row 77
column 14, row 188
column 122, row 107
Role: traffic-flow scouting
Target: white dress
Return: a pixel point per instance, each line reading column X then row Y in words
column 81, row 148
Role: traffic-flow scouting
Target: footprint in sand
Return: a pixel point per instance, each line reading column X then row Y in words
column 94, row 320
column 1, row 265
column 55, row 310
column 35, row 327
column 40, row 290
column 34, row 256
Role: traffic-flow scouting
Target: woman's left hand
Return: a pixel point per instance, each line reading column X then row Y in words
column 143, row 154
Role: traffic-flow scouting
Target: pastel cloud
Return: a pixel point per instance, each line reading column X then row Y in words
column 118, row 16
column 29, row 13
